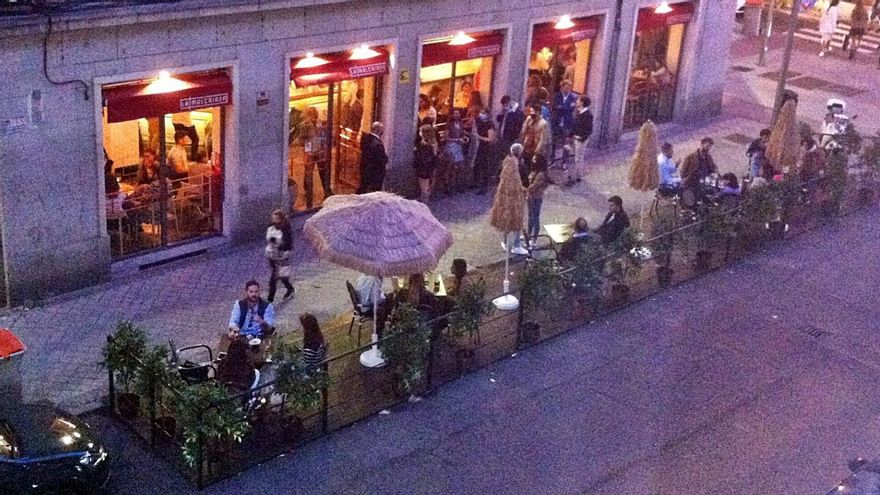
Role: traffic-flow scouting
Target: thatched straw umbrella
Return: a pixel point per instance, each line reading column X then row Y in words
column 784, row 145
column 643, row 171
column 379, row 234
column 508, row 214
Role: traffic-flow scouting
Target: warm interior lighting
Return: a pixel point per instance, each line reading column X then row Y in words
column 165, row 84
column 461, row 39
column 310, row 60
column 663, row 8
column 564, row 23
column 164, row 74
column 363, row 52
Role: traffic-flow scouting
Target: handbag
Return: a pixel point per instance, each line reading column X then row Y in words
column 284, row 271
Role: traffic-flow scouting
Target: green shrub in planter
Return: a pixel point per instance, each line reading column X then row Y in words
column 224, row 422
column 470, row 308
column 123, row 354
column 541, row 286
column 300, row 384
column 629, row 256
column 584, row 276
column 664, row 231
column 405, row 346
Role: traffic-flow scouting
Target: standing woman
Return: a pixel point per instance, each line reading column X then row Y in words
column 279, row 242
column 425, row 161
column 858, row 25
column 485, row 154
column 453, row 150
column 538, row 183
column 828, row 25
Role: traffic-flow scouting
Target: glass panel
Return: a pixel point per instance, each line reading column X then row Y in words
column 568, row 61
column 465, row 85
column 654, row 75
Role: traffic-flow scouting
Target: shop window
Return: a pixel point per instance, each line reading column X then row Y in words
column 561, row 51
column 163, row 160
column 334, row 98
column 655, row 67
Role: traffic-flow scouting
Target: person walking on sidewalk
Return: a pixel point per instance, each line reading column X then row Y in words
column 828, row 25
column 535, row 194
column 581, row 131
column 425, row 161
column 279, row 243
column 858, row 26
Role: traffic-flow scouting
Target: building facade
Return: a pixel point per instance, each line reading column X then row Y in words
column 258, row 106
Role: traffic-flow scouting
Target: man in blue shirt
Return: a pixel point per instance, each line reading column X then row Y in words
column 252, row 316
column 563, row 108
column 670, row 181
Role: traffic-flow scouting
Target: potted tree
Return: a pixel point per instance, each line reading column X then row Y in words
column 159, row 385
column 207, row 413
column 624, row 264
column 584, row 278
column 465, row 320
column 301, row 386
column 834, row 184
column 663, row 231
column 709, row 231
column 406, row 346
column 869, row 173
column 542, row 291
column 123, row 354
column 760, row 212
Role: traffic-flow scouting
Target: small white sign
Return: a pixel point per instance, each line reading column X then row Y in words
column 13, row 125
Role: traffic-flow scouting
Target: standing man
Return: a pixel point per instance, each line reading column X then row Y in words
column 564, row 103
column 510, row 123
column 581, row 131
column 177, row 160
column 182, row 122
column 757, row 153
column 252, row 316
column 373, row 160
column 535, row 138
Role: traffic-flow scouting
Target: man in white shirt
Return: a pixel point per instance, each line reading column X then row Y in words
column 670, row 181
column 178, row 165
column 183, row 123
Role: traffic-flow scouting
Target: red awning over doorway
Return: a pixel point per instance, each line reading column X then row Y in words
column 442, row 52
column 546, row 35
column 159, row 97
column 339, row 67
column 681, row 14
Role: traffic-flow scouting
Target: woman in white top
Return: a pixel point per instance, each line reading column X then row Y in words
column 827, row 26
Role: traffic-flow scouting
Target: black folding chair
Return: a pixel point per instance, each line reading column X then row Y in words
column 361, row 315
column 195, row 369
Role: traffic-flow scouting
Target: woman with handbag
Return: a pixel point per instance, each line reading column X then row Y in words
column 279, row 242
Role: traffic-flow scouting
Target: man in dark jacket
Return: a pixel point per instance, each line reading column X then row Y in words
column 581, row 131
column 373, row 160
column 510, row 122
column 575, row 245
column 616, row 221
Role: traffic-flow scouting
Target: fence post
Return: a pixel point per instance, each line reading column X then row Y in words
column 111, row 384
column 200, row 444
column 152, row 411
column 520, row 315
column 429, row 371
column 324, row 400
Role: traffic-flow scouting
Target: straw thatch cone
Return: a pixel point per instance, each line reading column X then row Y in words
column 508, row 210
column 643, row 172
column 784, row 145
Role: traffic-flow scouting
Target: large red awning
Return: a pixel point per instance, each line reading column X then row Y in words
column 178, row 94
column 681, row 14
column 339, row 68
column 546, row 35
column 487, row 45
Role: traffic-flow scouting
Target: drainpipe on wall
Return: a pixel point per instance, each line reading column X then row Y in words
column 608, row 95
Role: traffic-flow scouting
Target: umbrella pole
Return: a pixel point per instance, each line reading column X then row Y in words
column 507, row 302
column 372, row 357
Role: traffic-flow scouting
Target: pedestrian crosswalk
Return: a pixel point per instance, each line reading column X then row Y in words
column 870, row 42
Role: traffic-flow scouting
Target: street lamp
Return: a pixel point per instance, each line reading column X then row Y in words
column 663, row 8
column 461, row 39
column 564, row 23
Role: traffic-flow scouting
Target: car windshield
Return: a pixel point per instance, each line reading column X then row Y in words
column 40, row 431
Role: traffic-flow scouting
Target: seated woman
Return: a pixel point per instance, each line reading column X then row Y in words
column 730, row 186
column 459, row 277
column 314, row 349
column 235, row 371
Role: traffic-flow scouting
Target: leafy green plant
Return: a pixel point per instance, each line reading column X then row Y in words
column 154, row 373
column 300, row 384
column 664, row 231
column 870, row 156
column 541, row 286
column 124, row 352
column 585, row 275
column 406, row 346
column 629, row 256
column 759, row 206
column 710, row 228
column 206, row 411
column 835, row 179
column 470, row 308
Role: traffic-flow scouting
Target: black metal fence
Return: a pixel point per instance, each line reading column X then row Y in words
column 684, row 244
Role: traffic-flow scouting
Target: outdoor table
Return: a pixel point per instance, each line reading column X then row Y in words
column 558, row 232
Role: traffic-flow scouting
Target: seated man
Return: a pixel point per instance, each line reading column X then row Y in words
column 582, row 236
column 697, row 166
column 616, row 221
column 252, row 316
column 670, row 181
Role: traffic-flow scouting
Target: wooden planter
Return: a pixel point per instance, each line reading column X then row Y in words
column 128, row 405
column 664, row 276
column 619, row 294
column 703, row 260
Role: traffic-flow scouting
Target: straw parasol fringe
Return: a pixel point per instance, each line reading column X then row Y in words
column 784, row 145
column 380, row 234
column 643, row 172
column 508, row 208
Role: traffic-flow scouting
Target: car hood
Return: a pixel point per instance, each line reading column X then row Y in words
column 40, row 431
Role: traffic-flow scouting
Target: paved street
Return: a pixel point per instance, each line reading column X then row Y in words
column 758, row 379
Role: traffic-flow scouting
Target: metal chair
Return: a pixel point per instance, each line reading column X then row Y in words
column 547, row 249
column 356, row 312
column 192, row 370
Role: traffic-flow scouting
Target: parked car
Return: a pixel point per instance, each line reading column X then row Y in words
column 865, row 479
column 44, row 450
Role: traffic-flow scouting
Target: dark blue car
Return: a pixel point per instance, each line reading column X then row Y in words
column 44, row 450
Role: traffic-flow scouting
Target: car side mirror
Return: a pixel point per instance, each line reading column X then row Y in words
column 856, row 464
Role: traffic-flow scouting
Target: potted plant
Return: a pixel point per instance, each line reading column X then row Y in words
column 834, row 184
column 664, row 233
column 122, row 354
column 709, row 231
column 584, row 278
column 206, row 412
column 157, row 383
column 626, row 262
column 760, row 212
column 869, row 173
column 470, row 308
column 405, row 347
column 542, row 291
column 301, row 386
